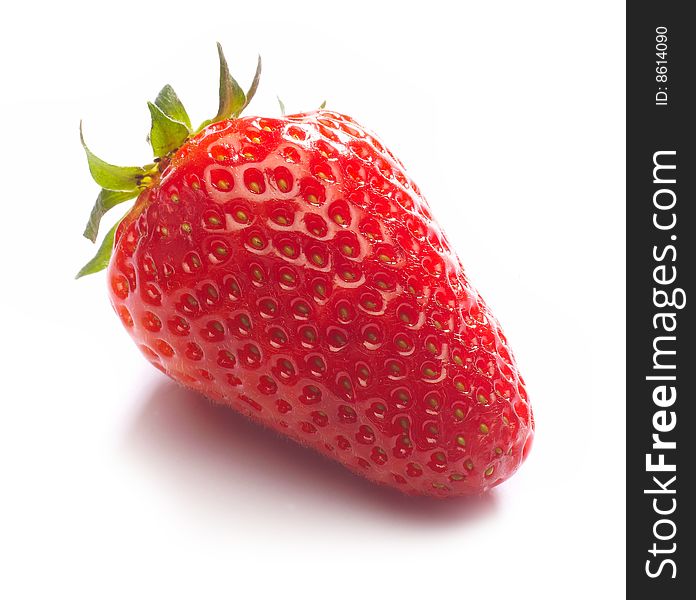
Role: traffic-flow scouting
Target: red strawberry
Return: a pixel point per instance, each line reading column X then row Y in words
column 289, row 268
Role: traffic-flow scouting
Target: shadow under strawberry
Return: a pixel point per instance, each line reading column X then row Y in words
column 217, row 460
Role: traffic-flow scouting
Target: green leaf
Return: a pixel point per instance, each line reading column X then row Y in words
column 168, row 102
column 282, row 106
column 106, row 200
column 232, row 98
column 166, row 134
column 254, row 85
column 101, row 258
column 111, row 177
column 322, row 105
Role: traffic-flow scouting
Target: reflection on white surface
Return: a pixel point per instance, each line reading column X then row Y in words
column 215, row 457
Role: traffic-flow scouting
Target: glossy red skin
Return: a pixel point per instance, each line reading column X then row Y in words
column 348, row 324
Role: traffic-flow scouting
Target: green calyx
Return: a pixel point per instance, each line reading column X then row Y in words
column 171, row 127
column 233, row 100
column 101, row 259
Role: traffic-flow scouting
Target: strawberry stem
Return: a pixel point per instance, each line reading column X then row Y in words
column 171, row 127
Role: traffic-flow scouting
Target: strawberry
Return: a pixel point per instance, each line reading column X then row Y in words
column 291, row 269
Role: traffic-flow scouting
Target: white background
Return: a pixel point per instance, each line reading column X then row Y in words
column 117, row 484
